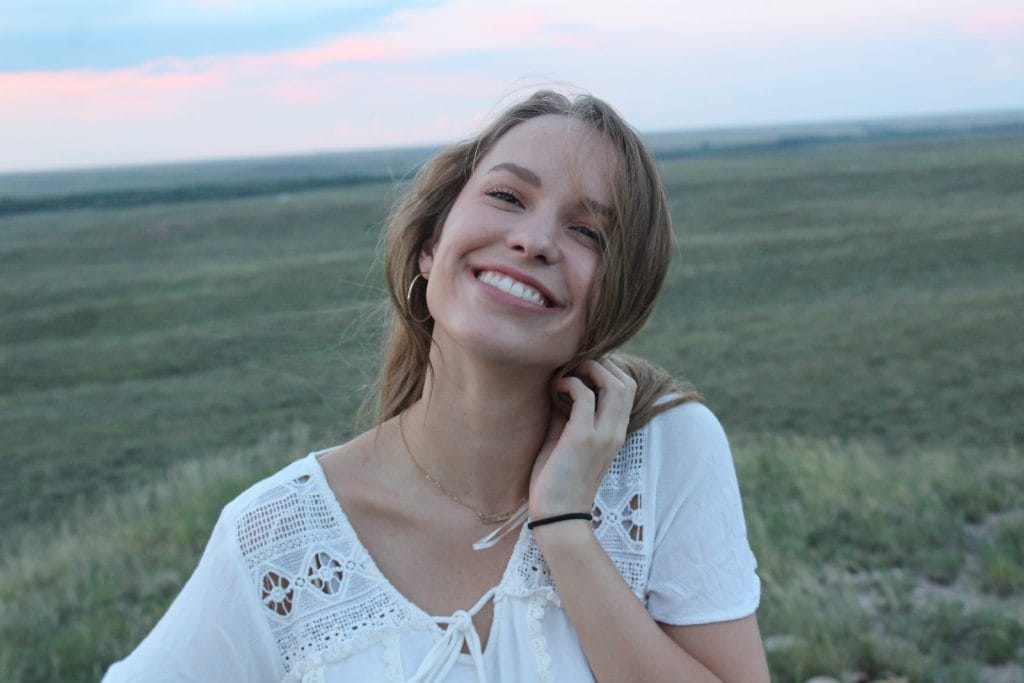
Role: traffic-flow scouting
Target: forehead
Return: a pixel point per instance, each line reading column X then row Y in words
column 558, row 150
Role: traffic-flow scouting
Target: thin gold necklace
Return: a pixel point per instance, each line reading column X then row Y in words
column 492, row 518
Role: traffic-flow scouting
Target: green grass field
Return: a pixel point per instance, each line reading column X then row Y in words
column 851, row 310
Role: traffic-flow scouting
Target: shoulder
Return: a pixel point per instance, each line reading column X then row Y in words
column 685, row 437
column 677, row 454
column 275, row 511
column 688, row 431
column 291, row 476
column 690, row 417
column 680, row 447
column 689, row 457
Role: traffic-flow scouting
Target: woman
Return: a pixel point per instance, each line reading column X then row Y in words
column 517, row 263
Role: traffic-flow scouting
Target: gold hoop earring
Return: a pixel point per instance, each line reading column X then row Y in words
column 408, row 299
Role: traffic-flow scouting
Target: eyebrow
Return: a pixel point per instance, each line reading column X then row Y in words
column 524, row 174
column 597, row 207
column 528, row 176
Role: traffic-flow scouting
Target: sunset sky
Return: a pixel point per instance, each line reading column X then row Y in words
column 106, row 82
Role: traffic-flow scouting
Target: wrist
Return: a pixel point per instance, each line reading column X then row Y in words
column 570, row 535
column 556, row 519
column 541, row 509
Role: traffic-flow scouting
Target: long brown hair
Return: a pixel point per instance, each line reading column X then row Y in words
column 636, row 258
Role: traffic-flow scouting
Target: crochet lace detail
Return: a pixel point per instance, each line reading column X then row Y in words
column 324, row 597
column 534, row 615
column 619, row 514
column 321, row 591
column 618, row 524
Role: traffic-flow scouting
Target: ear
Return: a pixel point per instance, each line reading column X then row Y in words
column 426, row 258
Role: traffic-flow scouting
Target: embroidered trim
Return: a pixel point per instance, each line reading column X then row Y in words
column 277, row 592
column 342, row 650
column 534, row 615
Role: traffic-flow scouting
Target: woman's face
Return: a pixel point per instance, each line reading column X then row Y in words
column 512, row 272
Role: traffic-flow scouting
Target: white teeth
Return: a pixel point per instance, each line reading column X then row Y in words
column 513, row 287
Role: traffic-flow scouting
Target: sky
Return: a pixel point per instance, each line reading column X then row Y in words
column 87, row 83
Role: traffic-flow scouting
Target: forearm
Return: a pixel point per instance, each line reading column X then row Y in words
column 620, row 639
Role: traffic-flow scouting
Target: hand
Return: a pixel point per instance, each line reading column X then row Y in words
column 577, row 452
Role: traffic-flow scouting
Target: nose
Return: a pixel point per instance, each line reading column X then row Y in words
column 535, row 239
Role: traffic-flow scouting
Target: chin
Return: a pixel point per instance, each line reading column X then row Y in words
column 505, row 342
column 530, row 355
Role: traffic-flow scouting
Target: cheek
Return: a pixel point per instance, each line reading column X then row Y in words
column 586, row 272
column 594, row 287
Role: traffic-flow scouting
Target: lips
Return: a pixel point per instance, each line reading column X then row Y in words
column 514, row 287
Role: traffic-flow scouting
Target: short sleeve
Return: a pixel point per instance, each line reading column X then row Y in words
column 702, row 568
column 213, row 631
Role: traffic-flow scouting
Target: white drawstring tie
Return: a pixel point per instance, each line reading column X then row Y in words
column 458, row 630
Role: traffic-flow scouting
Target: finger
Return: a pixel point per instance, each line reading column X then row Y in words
column 615, row 390
column 576, row 388
column 614, row 368
column 628, row 382
column 598, row 374
column 582, row 412
column 600, row 413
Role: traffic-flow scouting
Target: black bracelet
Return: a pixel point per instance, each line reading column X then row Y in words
column 560, row 518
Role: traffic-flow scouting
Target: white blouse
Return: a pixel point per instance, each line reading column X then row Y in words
column 285, row 591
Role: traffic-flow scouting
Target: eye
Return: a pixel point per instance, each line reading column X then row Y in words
column 589, row 234
column 504, row 195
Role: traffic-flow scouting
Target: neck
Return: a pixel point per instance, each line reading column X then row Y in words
column 478, row 428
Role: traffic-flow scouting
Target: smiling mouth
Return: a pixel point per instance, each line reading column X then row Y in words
column 511, row 286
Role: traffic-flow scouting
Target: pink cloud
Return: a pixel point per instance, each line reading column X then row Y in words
column 996, row 25
column 457, row 28
column 360, row 49
column 98, row 95
column 15, row 85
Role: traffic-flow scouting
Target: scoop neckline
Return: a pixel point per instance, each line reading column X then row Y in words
column 419, row 614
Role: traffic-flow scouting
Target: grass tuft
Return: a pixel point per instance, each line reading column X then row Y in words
column 864, row 569
column 1003, row 559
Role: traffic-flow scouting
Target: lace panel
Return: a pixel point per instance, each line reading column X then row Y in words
column 322, row 592
column 350, row 626
column 284, row 520
column 618, row 524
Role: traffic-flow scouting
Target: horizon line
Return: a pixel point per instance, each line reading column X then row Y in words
column 1010, row 115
